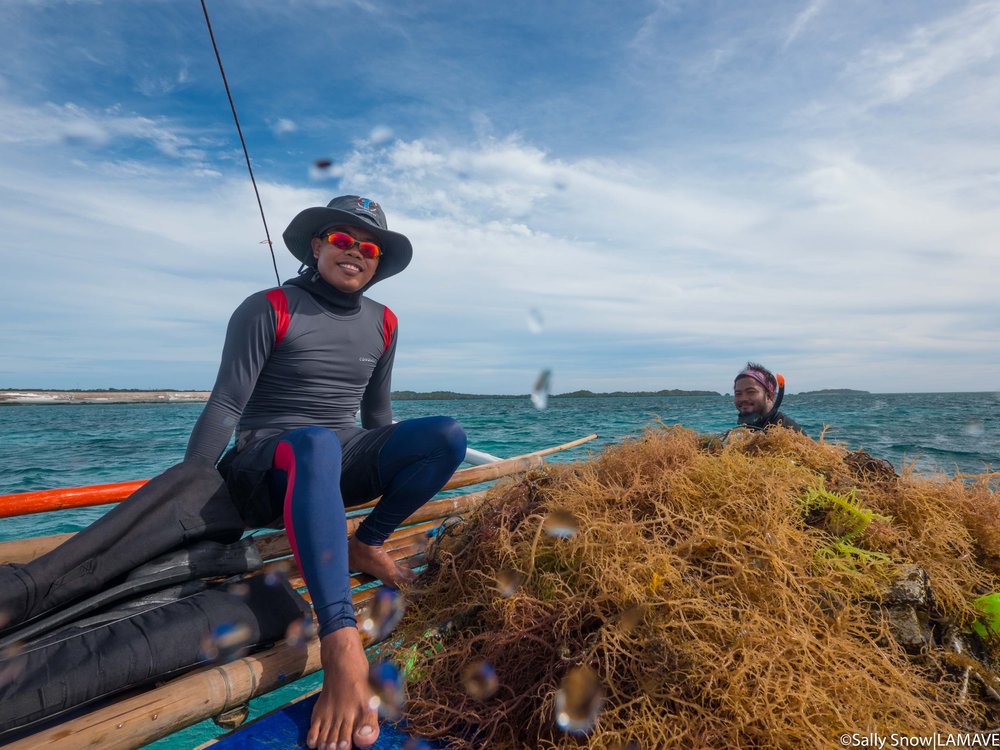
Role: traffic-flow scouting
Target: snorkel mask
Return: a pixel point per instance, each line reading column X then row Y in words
column 757, row 421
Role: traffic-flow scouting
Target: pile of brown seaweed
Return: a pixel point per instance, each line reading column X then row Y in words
column 679, row 592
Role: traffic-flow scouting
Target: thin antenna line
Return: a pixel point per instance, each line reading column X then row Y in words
column 239, row 130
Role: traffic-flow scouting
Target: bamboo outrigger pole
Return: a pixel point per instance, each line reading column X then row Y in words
column 24, row 550
column 25, row 503
column 40, row 501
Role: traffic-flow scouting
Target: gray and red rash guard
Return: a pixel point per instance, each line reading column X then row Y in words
column 292, row 359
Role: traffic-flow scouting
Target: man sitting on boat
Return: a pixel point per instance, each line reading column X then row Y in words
column 299, row 362
column 757, row 396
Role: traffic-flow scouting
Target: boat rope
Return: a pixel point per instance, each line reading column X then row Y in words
column 239, row 130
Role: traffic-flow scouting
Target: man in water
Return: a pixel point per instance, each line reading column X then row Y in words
column 754, row 392
column 299, row 362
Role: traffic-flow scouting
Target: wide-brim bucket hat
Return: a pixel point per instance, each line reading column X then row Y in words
column 354, row 211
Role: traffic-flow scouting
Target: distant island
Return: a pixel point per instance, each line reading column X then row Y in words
column 106, row 396
column 834, row 392
column 166, row 395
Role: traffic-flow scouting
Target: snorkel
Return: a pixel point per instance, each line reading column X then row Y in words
column 778, row 397
column 757, row 421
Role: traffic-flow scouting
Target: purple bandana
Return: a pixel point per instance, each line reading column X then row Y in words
column 760, row 378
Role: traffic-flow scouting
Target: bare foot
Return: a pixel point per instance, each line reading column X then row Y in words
column 342, row 714
column 375, row 561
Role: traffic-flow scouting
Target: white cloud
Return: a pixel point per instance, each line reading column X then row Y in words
column 284, row 126
column 616, row 252
column 647, row 36
column 618, row 257
column 61, row 123
column 930, row 54
column 162, row 85
column 803, row 19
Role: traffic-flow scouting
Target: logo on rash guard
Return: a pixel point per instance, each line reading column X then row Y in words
column 368, row 360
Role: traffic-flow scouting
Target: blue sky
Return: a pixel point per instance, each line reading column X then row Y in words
column 672, row 188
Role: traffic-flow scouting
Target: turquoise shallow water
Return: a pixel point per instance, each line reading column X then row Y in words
column 79, row 444
column 60, row 446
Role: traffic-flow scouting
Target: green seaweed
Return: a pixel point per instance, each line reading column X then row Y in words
column 844, row 517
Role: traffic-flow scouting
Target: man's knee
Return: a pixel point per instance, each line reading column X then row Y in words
column 314, row 441
column 454, row 439
column 442, row 436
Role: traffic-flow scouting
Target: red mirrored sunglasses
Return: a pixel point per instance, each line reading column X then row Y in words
column 344, row 241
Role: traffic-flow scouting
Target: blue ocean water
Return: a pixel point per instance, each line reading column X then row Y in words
column 45, row 446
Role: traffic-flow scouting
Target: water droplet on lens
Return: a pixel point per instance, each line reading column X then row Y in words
column 508, row 581
column 300, row 632
column 480, row 680
column 380, row 134
column 421, row 543
column 277, row 573
column 388, row 694
column 973, row 429
column 384, row 613
column 561, row 524
column 578, row 701
column 12, row 663
column 535, row 320
column 227, row 642
column 324, row 169
column 540, row 393
column 633, row 617
column 241, row 590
